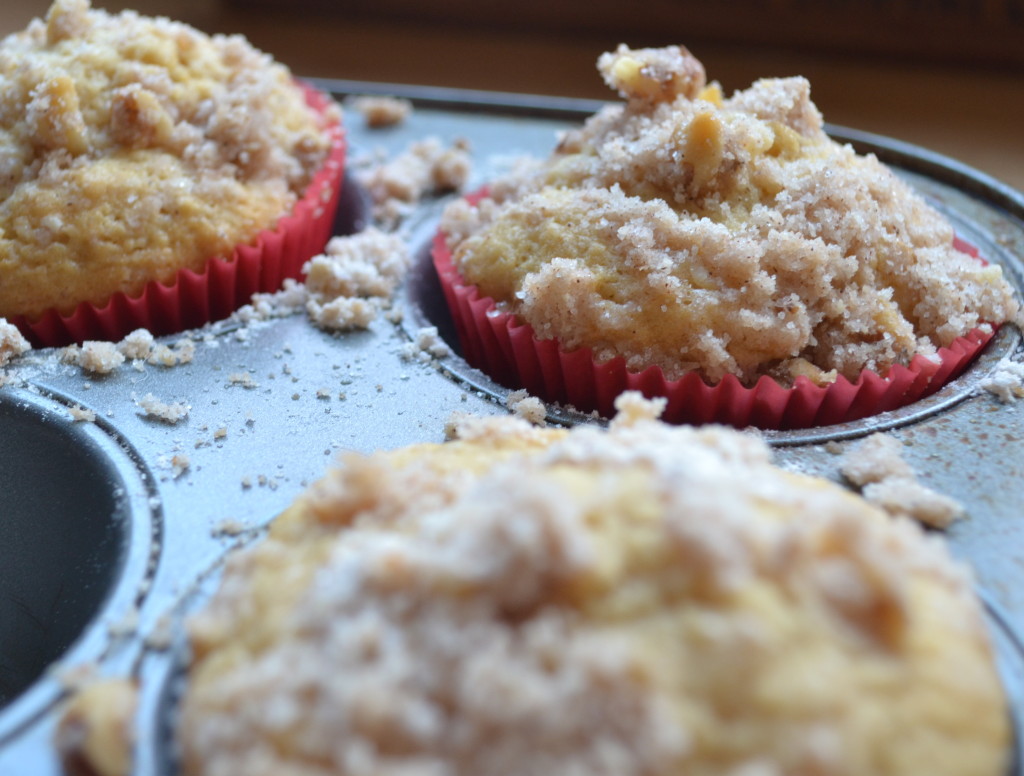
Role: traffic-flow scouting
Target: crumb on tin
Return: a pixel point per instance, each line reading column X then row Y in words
column 877, row 466
column 95, row 733
column 81, row 414
column 12, row 343
column 168, row 412
column 1006, row 382
column 529, row 408
column 383, row 111
column 426, row 166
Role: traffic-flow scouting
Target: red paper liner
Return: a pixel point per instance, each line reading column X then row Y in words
column 193, row 298
column 506, row 349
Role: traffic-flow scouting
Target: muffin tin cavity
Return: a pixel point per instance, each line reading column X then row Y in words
column 353, row 214
column 62, row 539
column 425, row 302
column 78, row 543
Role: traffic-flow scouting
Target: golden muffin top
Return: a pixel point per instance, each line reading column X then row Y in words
column 642, row 600
column 724, row 236
column 132, row 147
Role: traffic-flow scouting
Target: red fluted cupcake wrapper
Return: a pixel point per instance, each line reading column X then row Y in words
column 193, row 298
column 500, row 345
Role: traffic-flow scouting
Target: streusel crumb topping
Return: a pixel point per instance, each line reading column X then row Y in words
column 723, row 236
column 639, row 601
column 133, row 147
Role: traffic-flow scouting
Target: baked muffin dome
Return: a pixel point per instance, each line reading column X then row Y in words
column 132, row 148
column 646, row 600
column 722, row 236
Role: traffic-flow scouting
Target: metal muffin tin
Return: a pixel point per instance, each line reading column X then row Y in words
column 104, row 550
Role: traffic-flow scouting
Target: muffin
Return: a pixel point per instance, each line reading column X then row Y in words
column 650, row 599
column 133, row 152
column 717, row 238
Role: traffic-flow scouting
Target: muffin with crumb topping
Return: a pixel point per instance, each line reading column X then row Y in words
column 650, row 599
column 719, row 237
column 133, row 149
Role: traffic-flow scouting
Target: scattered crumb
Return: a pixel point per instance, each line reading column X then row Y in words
column 426, row 345
column 906, row 496
column 290, row 300
column 169, row 413
column 229, row 527
column 221, row 433
column 95, row 735
column 82, row 414
column 529, row 408
column 1006, row 382
column 12, row 343
column 137, row 345
column 469, row 425
column 243, row 379
column 162, row 635
column 379, row 112
column 101, row 357
column 632, row 408
column 126, row 626
column 246, row 482
column 875, row 459
column 94, row 356
column 425, row 166
column 353, row 279
column 183, row 352
column 180, row 464
column 343, row 314
column 323, row 393
column 886, row 480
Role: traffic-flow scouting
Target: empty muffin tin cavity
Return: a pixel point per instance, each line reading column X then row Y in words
column 67, row 538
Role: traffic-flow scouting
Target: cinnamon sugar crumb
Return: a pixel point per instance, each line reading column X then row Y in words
column 426, row 166
column 12, row 343
column 379, row 112
column 183, row 352
column 137, row 345
column 1006, row 382
column 888, row 481
column 180, row 463
column 171, row 413
column 81, row 414
column 427, row 345
column 353, row 279
column 529, row 408
column 94, row 356
column 244, row 379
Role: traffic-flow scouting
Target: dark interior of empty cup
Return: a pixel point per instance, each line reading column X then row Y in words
column 63, row 536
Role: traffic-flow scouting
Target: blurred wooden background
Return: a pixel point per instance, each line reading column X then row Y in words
column 944, row 74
